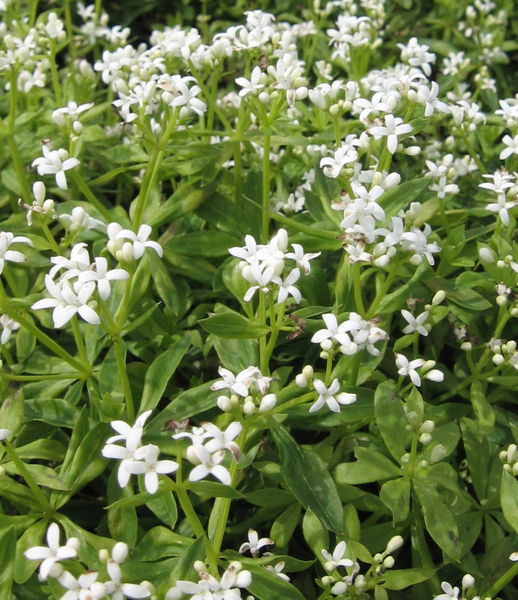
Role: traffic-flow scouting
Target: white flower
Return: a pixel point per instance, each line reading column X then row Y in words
column 408, row 368
column 79, row 261
column 364, row 333
column 209, row 588
column 336, row 559
column 277, row 570
column 415, row 323
column 68, row 300
column 416, row 241
column 330, row 397
column 514, row 556
column 102, row 276
column 52, row 553
column 138, row 242
column 84, row 587
column 238, row 385
column 6, row 239
column 8, row 326
column 55, row 162
column 512, row 146
column 223, row 439
column 208, row 464
column 393, row 128
column 302, row 259
column 146, row 463
column 118, row 590
column 286, row 287
column 253, row 85
column 450, row 593
column 79, row 220
column 254, row 544
column 72, row 109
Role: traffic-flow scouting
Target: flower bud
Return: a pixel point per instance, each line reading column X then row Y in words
column 501, row 300
column 500, row 264
column 248, row 407
column 267, row 403
column 427, row 426
column 104, row 555
column 487, row 255
column 498, row 360
column 394, row 544
column 466, row 346
column 301, row 381
column 439, row 297
column 438, row 453
column 425, row 438
column 326, row 345
column 389, row 562
column 224, row 403
column 199, row 566
column 468, row 581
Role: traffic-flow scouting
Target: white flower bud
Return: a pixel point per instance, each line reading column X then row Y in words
column 377, row 558
column 515, row 469
column 324, row 355
column 412, row 150
column 514, row 311
column 120, row 552
column 326, row 345
column 199, row 566
column 267, row 403
column 264, row 97
column 498, row 359
column 248, row 407
column 466, row 346
column 327, row 579
column 425, row 438
column 438, row 453
column 512, row 452
column 104, row 555
column 487, row 255
column 468, row 581
column 308, row 372
column 416, row 259
column 4, row 434
column 501, row 300
column 224, row 403
column 301, row 381
column 439, row 297
column 389, row 562
column 394, row 543
column 38, row 191
column 500, row 264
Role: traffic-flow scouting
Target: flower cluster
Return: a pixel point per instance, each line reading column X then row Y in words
column 135, row 458
column 350, row 336
column 265, row 266
column 250, row 385
column 85, row 585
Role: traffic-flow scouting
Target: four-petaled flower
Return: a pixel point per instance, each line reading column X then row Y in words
column 254, row 544
column 52, row 553
column 55, row 162
column 335, row 560
column 329, row 396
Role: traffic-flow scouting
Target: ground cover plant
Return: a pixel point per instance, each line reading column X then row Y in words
column 258, row 298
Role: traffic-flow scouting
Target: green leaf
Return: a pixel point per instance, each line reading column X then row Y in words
column 315, row 534
column 440, row 522
column 396, row 300
column 42, row 475
column 33, row 536
column 164, row 506
column 236, row 354
column 481, row 407
column 192, row 402
column 284, row 525
column 7, row 551
column 208, row 244
column 509, row 499
column 308, row 479
column 401, row 579
column 160, row 542
column 390, row 418
column 478, row 455
column 401, row 196
column 395, row 494
column 468, row 299
column 266, row 585
column 269, row 497
column 233, row 325
column 212, row 489
column 54, row 411
column 370, row 466
column 159, row 373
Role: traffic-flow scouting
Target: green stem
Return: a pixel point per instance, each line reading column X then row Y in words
column 123, row 376
column 265, row 219
column 383, row 291
column 56, row 85
column 357, row 288
column 69, row 28
column 27, row 324
column 90, row 196
column 502, row 581
column 22, row 470
column 56, row 377
column 220, row 511
column 13, row 146
column 152, row 170
column 78, row 338
column 263, row 357
column 274, row 335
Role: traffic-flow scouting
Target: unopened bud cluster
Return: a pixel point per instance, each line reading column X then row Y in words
column 510, row 459
column 504, row 353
